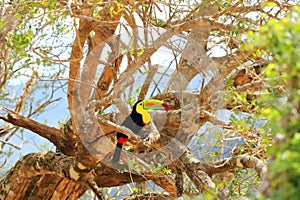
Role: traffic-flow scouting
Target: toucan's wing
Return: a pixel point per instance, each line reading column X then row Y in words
column 129, row 123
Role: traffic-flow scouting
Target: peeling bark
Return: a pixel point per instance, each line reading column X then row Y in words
column 37, row 171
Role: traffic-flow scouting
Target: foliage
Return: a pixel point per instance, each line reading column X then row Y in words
column 281, row 39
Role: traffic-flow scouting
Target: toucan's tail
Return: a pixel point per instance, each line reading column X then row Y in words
column 117, row 153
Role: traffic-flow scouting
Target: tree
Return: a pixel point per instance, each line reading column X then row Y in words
column 192, row 55
column 281, row 41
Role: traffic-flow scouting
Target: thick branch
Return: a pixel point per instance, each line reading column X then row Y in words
column 52, row 134
column 82, row 34
column 103, row 34
column 239, row 161
column 34, row 167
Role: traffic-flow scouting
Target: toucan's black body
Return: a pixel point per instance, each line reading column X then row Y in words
column 137, row 119
column 135, row 123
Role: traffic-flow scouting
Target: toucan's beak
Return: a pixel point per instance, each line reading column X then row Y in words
column 152, row 104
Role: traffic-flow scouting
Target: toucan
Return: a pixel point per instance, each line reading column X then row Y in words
column 138, row 118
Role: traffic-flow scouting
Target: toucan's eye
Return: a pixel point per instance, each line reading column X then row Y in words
column 141, row 104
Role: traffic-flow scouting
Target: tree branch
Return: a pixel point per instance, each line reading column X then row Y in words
column 239, row 161
column 52, row 134
column 158, row 43
column 32, row 167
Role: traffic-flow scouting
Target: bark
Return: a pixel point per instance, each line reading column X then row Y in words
column 82, row 34
column 51, row 133
column 42, row 176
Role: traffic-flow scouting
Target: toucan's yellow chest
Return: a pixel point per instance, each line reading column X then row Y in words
column 145, row 114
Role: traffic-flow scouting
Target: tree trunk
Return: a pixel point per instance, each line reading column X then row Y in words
column 32, row 178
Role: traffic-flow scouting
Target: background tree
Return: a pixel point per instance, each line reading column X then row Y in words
column 281, row 41
column 101, row 56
